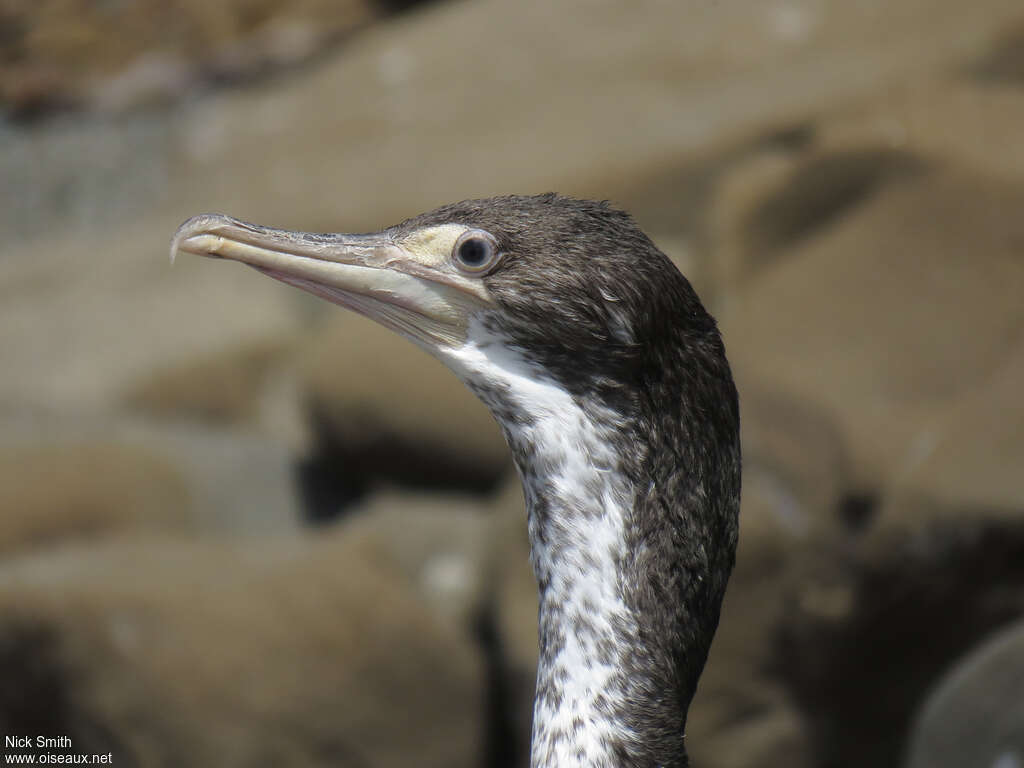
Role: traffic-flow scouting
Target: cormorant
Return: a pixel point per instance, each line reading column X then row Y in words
column 610, row 382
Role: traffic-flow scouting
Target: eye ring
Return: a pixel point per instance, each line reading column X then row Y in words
column 475, row 252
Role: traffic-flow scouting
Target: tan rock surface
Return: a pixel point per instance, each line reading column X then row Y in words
column 437, row 541
column 64, row 478
column 61, row 53
column 955, row 120
column 889, row 316
column 54, row 491
column 974, row 452
column 85, row 319
column 302, row 652
column 224, row 388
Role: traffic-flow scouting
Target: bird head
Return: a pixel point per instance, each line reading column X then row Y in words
column 572, row 285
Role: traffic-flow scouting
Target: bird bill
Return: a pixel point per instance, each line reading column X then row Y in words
column 374, row 275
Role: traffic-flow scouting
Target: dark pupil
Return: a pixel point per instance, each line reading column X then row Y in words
column 473, row 252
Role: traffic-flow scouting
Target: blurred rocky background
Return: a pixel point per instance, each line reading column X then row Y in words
column 240, row 527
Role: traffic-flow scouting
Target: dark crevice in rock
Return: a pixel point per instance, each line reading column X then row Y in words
column 398, row 6
column 857, row 510
column 1004, row 63
column 673, row 200
column 821, row 192
column 325, row 489
column 44, row 84
column 34, row 693
column 37, row 693
column 792, row 138
column 501, row 745
column 341, row 469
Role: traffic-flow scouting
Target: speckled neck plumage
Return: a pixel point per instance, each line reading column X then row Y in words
column 620, row 536
column 579, row 509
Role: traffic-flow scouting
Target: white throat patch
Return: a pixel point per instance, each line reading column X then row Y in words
column 578, row 504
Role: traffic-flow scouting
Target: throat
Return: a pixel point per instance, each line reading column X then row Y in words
column 607, row 692
column 586, row 630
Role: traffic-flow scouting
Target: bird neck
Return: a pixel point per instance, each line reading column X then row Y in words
column 579, row 511
column 606, row 694
column 631, row 544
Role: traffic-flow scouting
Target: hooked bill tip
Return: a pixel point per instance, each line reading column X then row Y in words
column 194, row 229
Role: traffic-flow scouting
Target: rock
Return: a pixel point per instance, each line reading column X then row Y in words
column 224, row 388
column 841, row 251
column 975, row 716
column 798, row 466
column 64, row 477
column 386, row 127
column 62, row 54
column 924, row 584
column 776, row 737
column 238, row 481
column 383, row 410
column 760, row 221
column 54, row 491
column 847, row 320
column 1004, row 61
column 972, row 453
column 298, row 651
column 952, row 121
column 437, row 541
column 84, row 322
column 738, row 189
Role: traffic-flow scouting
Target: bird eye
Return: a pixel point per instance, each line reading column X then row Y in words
column 475, row 251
